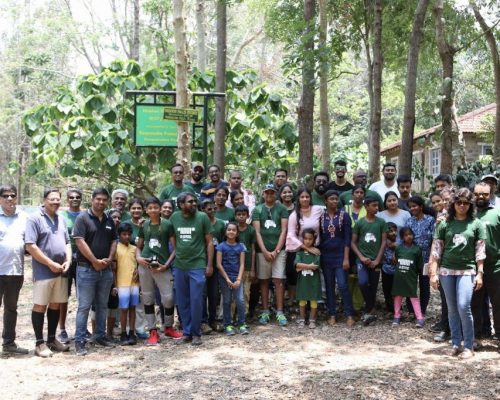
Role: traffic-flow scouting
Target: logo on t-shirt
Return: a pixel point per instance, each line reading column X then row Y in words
column 269, row 224
column 186, row 234
column 154, row 243
column 459, row 239
column 370, row 237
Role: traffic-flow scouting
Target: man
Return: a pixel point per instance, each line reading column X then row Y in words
column 490, row 217
column 493, row 182
column 47, row 241
column 191, row 237
column 442, row 181
column 270, row 221
column 95, row 237
column 119, row 202
column 360, row 178
column 388, row 183
column 235, row 182
column 340, row 184
column 197, row 174
column 74, row 198
column 209, row 189
column 321, row 181
column 177, row 186
column 12, row 228
column 404, row 187
column 280, row 178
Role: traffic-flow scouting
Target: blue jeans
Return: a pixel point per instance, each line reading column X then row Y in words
column 227, row 298
column 93, row 287
column 189, row 286
column 210, row 297
column 368, row 283
column 458, row 291
column 337, row 275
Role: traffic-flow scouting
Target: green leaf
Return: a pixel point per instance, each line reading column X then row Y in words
column 113, row 159
column 122, row 134
column 75, row 144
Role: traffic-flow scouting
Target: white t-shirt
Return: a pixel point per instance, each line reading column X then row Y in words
column 382, row 189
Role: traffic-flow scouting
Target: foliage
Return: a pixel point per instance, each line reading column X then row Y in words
column 88, row 131
column 471, row 173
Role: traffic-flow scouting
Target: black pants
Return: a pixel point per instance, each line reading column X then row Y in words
column 387, row 280
column 492, row 285
column 444, row 311
column 10, row 286
column 210, row 298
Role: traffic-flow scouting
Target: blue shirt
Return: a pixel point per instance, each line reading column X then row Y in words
column 335, row 236
column 423, row 230
column 231, row 257
column 12, row 228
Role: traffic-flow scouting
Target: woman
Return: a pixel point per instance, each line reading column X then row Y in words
column 223, row 212
column 422, row 226
column 335, row 242
column 304, row 216
column 287, row 197
column 136, row 210
column 167, row 208
column 356, row 209
column 459, row 248
column 237, row 198
column 393, row 213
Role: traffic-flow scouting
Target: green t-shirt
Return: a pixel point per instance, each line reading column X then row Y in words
column 218, row 230
column 135, row 233
column 190, row 246
column 346, row 197
column 155, row 239
column 195, row 186
column 70, row 218
column 247, row 237
column 409, row 263
column 491, row 221
column 370, row 236
column 460, row 239
column 270, row 223
column 226, row 215
column 308, row 285
column 171, row 192
column 317, row 200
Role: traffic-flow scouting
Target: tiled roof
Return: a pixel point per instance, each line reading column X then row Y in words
column 470, row 122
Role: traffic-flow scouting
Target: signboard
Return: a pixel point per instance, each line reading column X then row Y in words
column 180, row 114
column 152, row 129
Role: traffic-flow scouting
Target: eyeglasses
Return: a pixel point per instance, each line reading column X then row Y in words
column 9, row 196
column 74, row 197
column 462, row 203
column 482, row 194
column 177, row 172
column 191, row 201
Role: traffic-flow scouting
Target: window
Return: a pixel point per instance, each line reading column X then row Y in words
column 485, row 149
column 435, row 161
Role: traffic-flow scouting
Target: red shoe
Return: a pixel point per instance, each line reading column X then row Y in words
column 153, row 339
column 172, row 332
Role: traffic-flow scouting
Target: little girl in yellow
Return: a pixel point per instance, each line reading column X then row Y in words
column 308, row 281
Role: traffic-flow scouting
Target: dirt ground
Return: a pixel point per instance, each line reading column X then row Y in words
column 375, row 362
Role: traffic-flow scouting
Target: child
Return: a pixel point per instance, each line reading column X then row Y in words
column 368, row 243
column 231, row 265
column 308, row 281
column 126, row 281
column 116, row 216
column 409, row 262
column 388, row 267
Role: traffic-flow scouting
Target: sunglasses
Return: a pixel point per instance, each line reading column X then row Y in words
column 462, row 203
column 191, row 201
column 74, row 197
column 9, row 196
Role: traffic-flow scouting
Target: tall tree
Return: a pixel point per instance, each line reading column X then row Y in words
column 201, row 47
column 405, row 159
column 220, row 84
column 183, row 154
column 135, row 43
column 324, row 132
column 305, row 109
column 495, row 58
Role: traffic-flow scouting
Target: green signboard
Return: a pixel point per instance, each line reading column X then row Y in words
column 180, row 114
column 152, row 129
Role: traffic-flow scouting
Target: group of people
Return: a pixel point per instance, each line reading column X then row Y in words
column 200, row 246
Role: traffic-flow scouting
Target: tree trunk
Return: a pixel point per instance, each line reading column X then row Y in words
column 376, row 122
column 134, row 50
column 372, row 175
column 452, row 149
column 220, row 84
column 201, row 35
column 495, row 57
column 405, row 158
column 183, row 153
column 305, row 109
column 324, row 132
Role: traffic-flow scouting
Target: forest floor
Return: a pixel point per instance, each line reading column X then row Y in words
column 374, row 362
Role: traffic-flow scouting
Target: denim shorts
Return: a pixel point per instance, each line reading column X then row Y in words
column 128, row 296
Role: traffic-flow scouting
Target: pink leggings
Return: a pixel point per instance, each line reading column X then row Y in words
column 414, row 302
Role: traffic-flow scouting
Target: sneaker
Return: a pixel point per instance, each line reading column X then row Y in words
column 301, row 323
column 88, row 336
column 436, row 328
column 350, row 322
column 196, row 341
column 124, row 339
column 104, row 341
column 43, row 351
column 80, row 349
column 312, row 324
column 63, row 337
column 132, row 338
column 153, row 339
column 465, row 354
column 455, row 351
column 183, row 340
column 281, row 319
column 142, row 335
column 229, row 330
column 264, row 318
column 368, row 319
column 396, row 322
column 206, row 329
column 56, row 345
column 420, row 323
column 13, row 348
column 441, row 337
column 243, row 329
column 172, row 332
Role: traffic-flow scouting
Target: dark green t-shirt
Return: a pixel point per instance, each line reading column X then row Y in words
column 171, row 192
column 218, row 230
column 70, row 218
column 491, row 221
column 270, row 223
column 190, row 246
column 195, row 186
column 370, row 236
column 409, row 262
column 308, row 285
column 346, row 197
column 226, row 215
column 156, row 237
column 247, row 237
column 317, row 200
column 460, row 239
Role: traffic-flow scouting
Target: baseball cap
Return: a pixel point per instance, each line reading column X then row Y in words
column 198, row 165
column 269, row 186
column 489, row 176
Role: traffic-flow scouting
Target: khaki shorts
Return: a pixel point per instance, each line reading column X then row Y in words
column 54, row 290
column 274, row 269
